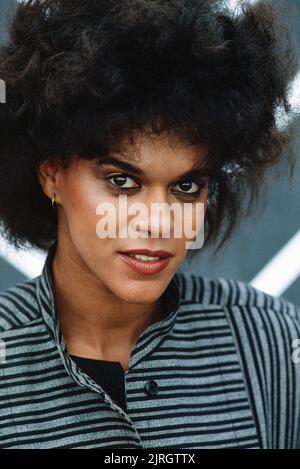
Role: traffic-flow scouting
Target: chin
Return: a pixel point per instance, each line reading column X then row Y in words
column 136, row 296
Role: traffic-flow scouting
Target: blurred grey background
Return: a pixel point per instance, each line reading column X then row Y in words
column 258, row 240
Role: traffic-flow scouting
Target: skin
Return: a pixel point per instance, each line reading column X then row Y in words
column 102, row 305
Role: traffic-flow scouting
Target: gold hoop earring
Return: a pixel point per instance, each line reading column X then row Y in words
column 53, row 201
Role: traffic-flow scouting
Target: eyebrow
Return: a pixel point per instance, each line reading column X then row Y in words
column 110, row 160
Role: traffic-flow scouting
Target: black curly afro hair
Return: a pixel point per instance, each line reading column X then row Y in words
column 82, row 75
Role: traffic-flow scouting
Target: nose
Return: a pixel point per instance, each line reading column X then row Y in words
column 157, row 220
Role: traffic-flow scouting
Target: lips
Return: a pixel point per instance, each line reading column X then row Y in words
column 147, row 252
column 145, row 267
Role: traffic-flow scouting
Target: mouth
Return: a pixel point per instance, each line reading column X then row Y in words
column 146, row 262
column 146, row 254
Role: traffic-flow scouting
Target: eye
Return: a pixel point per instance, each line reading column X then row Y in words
column 125, row 183
column 189, row 187
column 122, row 182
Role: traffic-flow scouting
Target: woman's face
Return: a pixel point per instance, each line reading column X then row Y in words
column 158, row 174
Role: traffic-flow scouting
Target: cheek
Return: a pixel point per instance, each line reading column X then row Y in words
column 193, row 219
column 81, row 196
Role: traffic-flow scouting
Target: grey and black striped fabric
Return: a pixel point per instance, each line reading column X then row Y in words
column 216, row 372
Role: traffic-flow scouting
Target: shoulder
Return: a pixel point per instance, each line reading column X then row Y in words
column 266, row 333
column 230, row 293
column 250, row 312
column 18, row 306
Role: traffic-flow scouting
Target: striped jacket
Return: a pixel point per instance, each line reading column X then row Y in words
column 216, row 372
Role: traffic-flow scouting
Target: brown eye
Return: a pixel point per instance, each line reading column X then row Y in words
column 188, row 187
column 121, row 181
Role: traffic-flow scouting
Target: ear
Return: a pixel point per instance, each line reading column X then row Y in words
column 48, row 174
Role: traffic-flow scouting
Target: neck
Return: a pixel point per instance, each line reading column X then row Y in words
column 94, row 322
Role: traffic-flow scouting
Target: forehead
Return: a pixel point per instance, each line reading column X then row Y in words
column 166, row 150
column 155, row 157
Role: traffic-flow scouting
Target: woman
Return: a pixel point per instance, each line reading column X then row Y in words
column 112, row 346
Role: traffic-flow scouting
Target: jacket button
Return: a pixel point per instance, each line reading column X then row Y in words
column 151, row 388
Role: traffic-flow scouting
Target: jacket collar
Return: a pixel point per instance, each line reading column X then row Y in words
column 147, row 342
